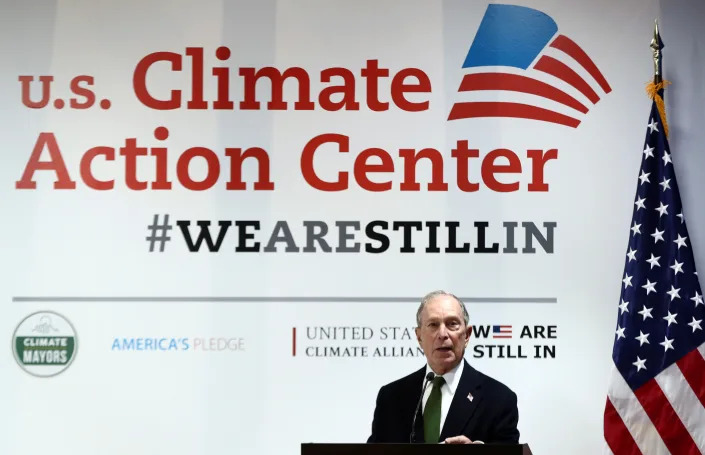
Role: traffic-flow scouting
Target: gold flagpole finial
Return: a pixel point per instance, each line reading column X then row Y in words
column 656, row 46
column 655, row 88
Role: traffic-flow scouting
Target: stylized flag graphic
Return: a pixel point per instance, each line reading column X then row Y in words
column 510, row 53
column 501, row 331
column 656, row 398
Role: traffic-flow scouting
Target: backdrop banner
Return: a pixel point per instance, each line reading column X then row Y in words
column 220, row 217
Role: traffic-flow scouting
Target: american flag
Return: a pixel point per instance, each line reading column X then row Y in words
column 656, row 398
column 501, row 331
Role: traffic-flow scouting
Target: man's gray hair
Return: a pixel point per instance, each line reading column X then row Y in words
column 432, row 295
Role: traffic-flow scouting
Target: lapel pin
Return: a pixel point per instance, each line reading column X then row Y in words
column 470, row 397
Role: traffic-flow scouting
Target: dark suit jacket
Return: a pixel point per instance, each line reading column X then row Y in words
column 491, row 415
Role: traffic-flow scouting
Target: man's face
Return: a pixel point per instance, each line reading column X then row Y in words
column 443, row 334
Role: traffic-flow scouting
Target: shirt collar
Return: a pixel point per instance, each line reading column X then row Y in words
column 452, row 378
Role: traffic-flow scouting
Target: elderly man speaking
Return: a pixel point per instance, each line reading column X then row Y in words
column 447, row 400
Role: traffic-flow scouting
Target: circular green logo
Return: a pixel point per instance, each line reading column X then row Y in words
column 44, row 343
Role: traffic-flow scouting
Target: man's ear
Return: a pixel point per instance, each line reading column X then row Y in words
column 418, row 334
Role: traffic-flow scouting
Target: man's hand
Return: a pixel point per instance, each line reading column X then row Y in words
column 458, row 440
column 461, row 440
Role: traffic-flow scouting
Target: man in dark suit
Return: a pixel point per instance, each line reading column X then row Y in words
column 460, row 405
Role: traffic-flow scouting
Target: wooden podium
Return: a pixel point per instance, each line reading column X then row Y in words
column 415, row 449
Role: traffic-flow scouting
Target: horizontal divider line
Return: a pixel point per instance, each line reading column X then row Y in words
column 337, row 299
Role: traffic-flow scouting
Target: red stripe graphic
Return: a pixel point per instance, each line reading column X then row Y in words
column 563, row 72
column 293, row 340
column 692, row 365
column 518, row 83
column 664, row 417
column 501, row 109
column 568, row 46
column 617, row 435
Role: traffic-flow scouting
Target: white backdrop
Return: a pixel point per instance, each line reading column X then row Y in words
column 83, row 253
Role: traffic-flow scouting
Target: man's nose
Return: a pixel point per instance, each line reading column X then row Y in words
column 442, row 331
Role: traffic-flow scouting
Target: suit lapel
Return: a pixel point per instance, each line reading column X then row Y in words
column 466, row 400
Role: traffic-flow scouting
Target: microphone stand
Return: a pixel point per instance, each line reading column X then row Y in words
column 429, row 377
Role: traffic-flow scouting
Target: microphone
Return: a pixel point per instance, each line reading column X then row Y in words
column 429, row 377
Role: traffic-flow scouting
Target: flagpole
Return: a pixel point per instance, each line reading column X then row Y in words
column 655, row 89
column 656, row 46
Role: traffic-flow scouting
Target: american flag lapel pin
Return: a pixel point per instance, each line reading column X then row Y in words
column 470, row 397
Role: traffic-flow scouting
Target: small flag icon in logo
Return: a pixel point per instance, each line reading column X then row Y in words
column 501, row 331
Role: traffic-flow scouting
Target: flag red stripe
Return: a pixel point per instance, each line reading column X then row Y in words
column 501, row 109
column 518, row 83
column 664, row 417
column 617, row 435
column 692, row 365
column 563, row 72
column 568, row 46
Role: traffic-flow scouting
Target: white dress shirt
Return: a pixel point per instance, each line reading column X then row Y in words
column 452, row 379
